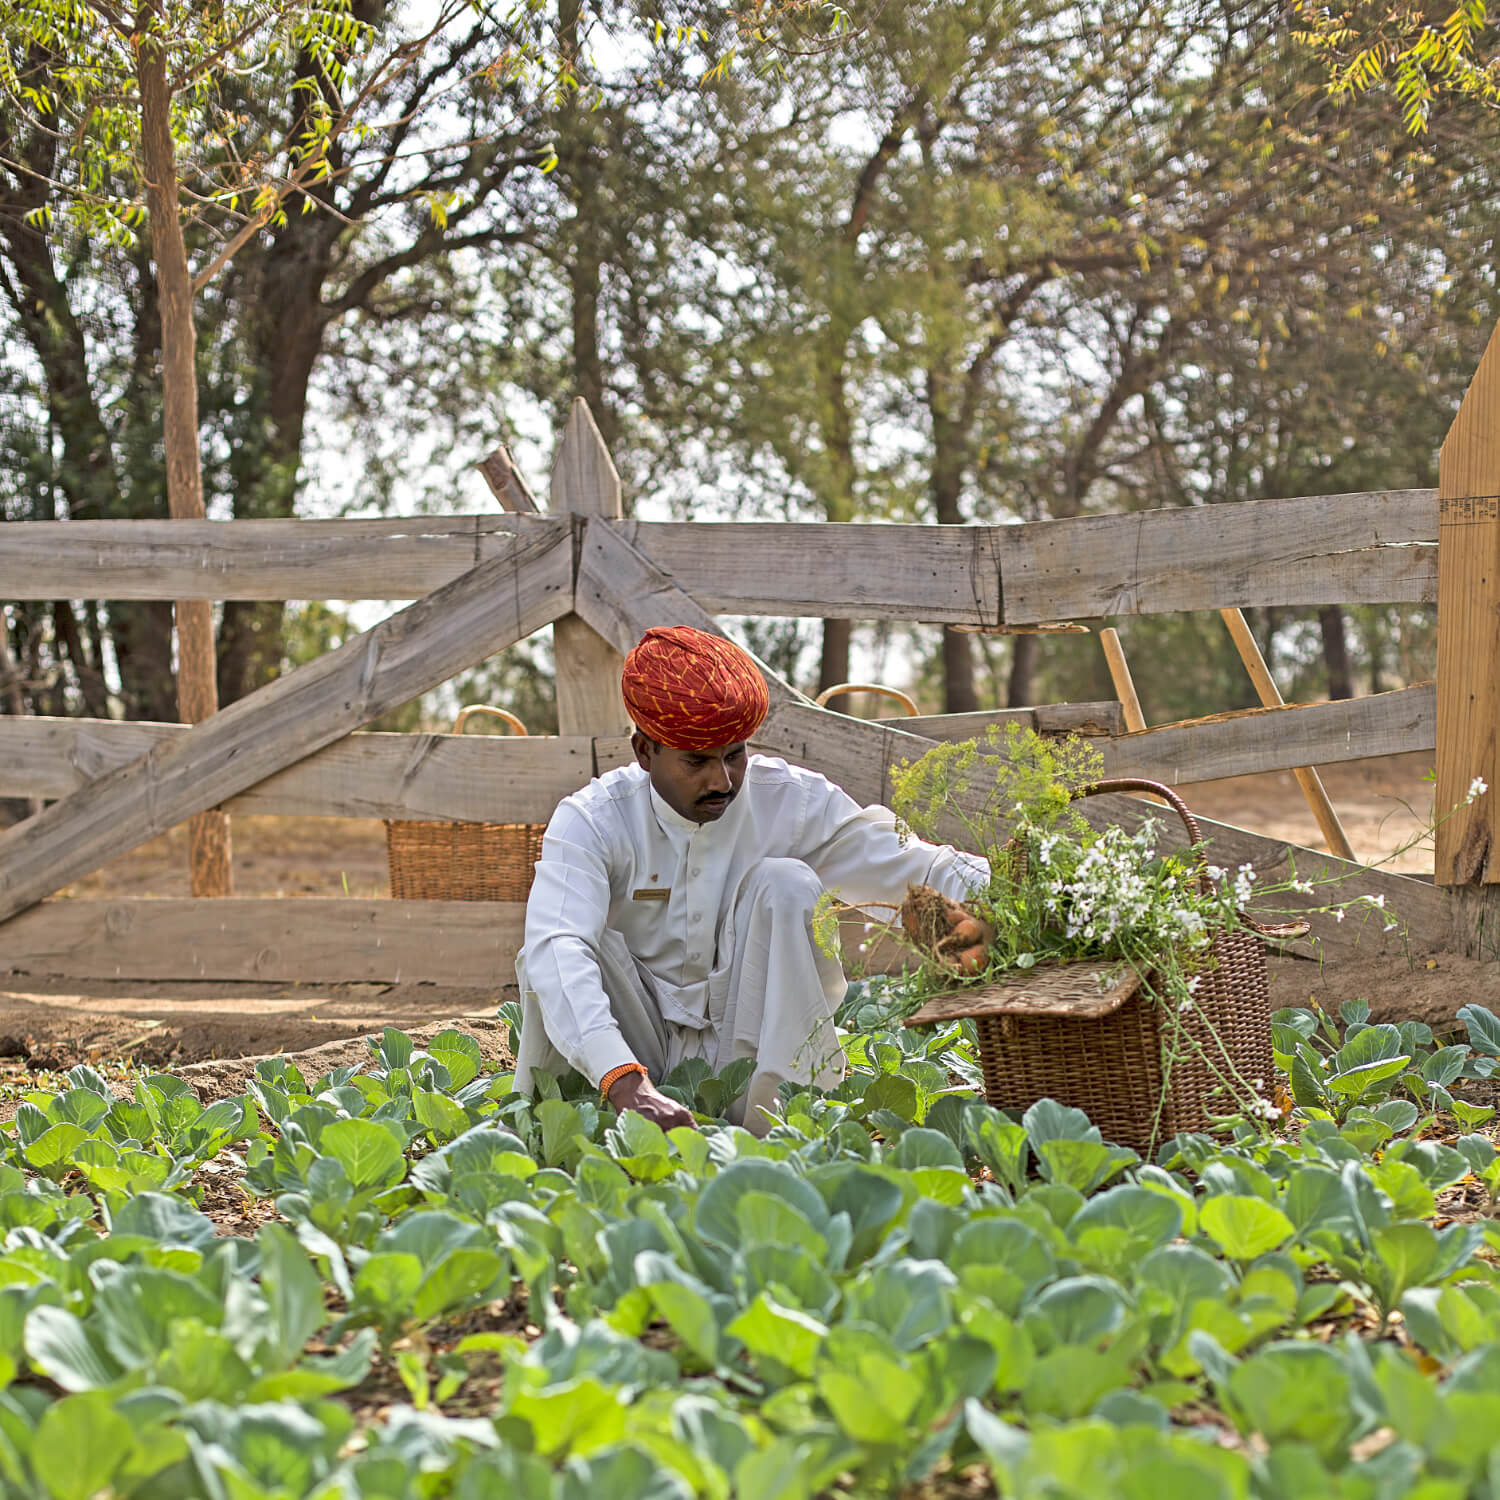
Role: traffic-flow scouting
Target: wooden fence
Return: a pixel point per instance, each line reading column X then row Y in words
column 481, row 583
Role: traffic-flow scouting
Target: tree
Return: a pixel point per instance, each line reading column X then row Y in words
column 1421, row 54
column 105, row 109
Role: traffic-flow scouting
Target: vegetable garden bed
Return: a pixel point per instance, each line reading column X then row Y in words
column 439, row 1288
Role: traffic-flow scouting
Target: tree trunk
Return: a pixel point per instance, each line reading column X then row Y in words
column 12, row 701
column 284, row 282
column 1336, row 651
column 197, row 693
column 834, row 666
column 947, row 485
column 837, row 488
column 90, row 679
column 959, row 696
column 1375, row 639
column 1020, row 691
column 86, row 474
column 10, row 676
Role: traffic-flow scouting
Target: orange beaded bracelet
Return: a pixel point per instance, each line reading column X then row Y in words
column 614, row 1075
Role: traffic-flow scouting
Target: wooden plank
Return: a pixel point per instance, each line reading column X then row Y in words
column 1046, row 718
column 621, row 593
column 819, row 570
column 507, row 483
column 479, row 778
column 1124, row 683
column 1468, row 705
column 858, row 755
column 490, row 607
column 1325, row 549
column 1270, row 696
column 403, row 558
column 501, row 779
column 1191, row 558
column 857, row 571
column 611, row 751
column 1250, row 741
column 310, row 941
column 587, row 667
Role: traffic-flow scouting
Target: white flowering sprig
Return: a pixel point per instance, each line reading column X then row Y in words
column 1062, row 891
column 1093, row 891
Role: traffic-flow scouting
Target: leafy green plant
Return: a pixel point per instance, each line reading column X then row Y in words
column 897, row 1278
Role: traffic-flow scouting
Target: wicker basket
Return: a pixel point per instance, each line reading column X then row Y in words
column 1088, row 1035
column 442, row 861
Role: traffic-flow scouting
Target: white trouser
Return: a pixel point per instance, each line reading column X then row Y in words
column 772, row 996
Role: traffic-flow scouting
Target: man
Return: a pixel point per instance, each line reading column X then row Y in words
column 671, row 916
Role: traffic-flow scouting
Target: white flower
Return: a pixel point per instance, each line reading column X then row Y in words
column 1338, row 914
column 1184, row 1006
column 1477, row 789
column 1377, row 900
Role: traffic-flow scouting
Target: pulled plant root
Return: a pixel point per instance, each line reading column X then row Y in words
column 952, row 934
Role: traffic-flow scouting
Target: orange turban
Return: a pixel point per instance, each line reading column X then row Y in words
column 693, row 691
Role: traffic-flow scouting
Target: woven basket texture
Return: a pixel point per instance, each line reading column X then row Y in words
column 462, row 861
column 439, row 861
column 1115, row 1068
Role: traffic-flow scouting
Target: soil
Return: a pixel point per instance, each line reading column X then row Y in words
column 214, row 1032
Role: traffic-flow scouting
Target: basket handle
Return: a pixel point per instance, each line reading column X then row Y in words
column 1279, row 930
column 1167, row 795
column 465, row 714
column 839, row 688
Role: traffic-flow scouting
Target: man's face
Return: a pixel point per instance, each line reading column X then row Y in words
column 698, row 784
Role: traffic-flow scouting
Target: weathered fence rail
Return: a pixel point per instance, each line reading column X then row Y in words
column 305, row 940
column 489, row 779
column 1327, row 549
column 483, row 582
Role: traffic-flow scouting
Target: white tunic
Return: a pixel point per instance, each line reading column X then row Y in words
column 616, row 857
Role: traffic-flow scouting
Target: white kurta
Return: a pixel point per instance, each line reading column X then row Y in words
column 630, row 895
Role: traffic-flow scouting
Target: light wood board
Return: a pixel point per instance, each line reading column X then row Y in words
column 1378, row 548
column 285, row 940
column 1468, row 706
column 621, row 593
column 825, row 570
column 402, row 558
column 1046, row 718
column 587, row 677
column 1250, row 741
column 1328, row 549
column 478, row 778
column 490, row 607
column 819, row 570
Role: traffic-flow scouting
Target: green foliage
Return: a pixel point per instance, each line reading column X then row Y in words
column 894, row 1279
column 1010, row 773
column 1419, row 59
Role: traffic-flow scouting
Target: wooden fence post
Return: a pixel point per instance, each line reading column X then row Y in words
column 1268, row 693
column 585, row 483
column 1468, row 681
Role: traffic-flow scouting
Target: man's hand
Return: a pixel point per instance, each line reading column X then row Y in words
column 950, row 932
column 636, row 1091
